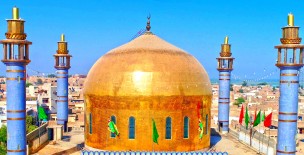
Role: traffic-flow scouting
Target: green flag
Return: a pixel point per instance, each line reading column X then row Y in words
column 263, row 117
column 112, row 128
column 247, row 119
column 42, row 114
column 155, row 133
column 257, row 121
column 201, row 130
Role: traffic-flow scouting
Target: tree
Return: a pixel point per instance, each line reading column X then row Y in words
column 28, row 84
column 244, row 84
column 3, row 135
column 2, row 149
column 231, row 87
column 51, row 76
column 30, row 124
column 239, row 101
column 241, row 91
column 39, row 82
column 273, row 88
column 263, row 83
column 3, row 139
column 31, row 128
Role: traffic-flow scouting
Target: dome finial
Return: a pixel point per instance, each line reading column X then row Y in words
column 226, row 40
column 62, row 37
column 290, row 19
column 15, row 13
column 148, row 27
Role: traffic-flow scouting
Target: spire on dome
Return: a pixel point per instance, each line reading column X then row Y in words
column 148, row 27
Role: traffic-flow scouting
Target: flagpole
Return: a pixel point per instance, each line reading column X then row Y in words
column 269, row 131
column 39, row 131
column 241, row 120
column 251, row 126
column 106, row 140
column 246, row 124
column 107, row 129
column 240, row 131
column 259, row 131
column 152, row 135
column 153, row 131
column 153, row 147
column 251, row 129
column 268, row 140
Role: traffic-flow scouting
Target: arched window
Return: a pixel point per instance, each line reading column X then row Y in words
column 113, row 119
column 90, row 122
column 168, row 128
column 186, row 127
column 206, row 124
column 131, row 128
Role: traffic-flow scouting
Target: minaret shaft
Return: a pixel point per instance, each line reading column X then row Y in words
column 288, row 110
column 16, row 108
column 62, row 97
column 224, row 101
column 16, row 57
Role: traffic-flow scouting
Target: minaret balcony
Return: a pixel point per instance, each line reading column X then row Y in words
column 290, row 55
column 225, row 63
column 15, row 51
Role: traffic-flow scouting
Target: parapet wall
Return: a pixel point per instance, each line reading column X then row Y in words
column 37, row 138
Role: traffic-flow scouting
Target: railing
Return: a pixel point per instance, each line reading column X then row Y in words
column 150, row 153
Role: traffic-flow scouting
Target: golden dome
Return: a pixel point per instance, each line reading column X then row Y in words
column 147, row 78
column 147, row 66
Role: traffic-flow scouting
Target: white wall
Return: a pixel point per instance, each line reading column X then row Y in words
column 258, row 145
column 52, row 98
column 39, row 141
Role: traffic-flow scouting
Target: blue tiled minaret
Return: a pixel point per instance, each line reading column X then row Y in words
column 290, row 64
column 225, row 62
column 62, row 64
column 16, row 57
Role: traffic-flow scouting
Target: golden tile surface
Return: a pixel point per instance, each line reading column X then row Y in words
column 147, row 78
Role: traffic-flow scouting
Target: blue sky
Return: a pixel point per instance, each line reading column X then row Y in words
column 94, row 27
